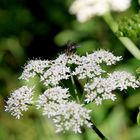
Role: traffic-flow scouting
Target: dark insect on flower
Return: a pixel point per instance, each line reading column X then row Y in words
column 71, row 47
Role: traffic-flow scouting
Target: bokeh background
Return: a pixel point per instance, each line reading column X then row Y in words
column 32, row 29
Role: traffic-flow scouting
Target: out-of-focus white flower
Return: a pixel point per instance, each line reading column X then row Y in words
column 34, row 67
column 19, row 101
column 65, row 115
column 101, row 88
column 120, row 5
column 86, row 9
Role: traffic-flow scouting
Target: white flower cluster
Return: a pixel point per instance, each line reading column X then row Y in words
column 54, row 95
column 50, row 72
column 66, row 115
column 56, row 101
column 19, row 101
column 86, row 9
column 89, row 65
column 101, row 88
column 57, row 71
column 34, row 67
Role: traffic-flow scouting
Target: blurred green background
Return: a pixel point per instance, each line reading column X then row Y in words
column 40, row 29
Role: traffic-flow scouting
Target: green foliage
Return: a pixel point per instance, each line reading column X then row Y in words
column 138, row 118
column 138, row 72
column 139, row 2
column 129, row 26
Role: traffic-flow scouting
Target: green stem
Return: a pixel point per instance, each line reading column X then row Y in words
column 74, row 87
column 132, row 48
column 83, row 96
column 98, row 132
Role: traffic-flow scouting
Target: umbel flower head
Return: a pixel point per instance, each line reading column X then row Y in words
column 66, row 115
column 86, row 9
column 19, row 101
column 66, row 109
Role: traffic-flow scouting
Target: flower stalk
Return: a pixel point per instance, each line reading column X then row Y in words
column 97, row 131
column 75, row 88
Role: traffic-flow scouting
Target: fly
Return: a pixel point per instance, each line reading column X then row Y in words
column 71, row 47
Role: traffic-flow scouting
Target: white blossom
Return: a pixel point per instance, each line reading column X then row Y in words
column 34, row 67
column 89, row 65
column 90, row 96
column 103, row 56
column 74, row 59
column 101, row 88
column 71, row 116
column 120, row 5
column 98, row 100
column 62, row 59
column 57, row 103
column 122, row 80
column 19, row 101
column 50, row 100
column 86, row 9
column 66, row 115
column 59, row 69
column 55, row 73
column 56, row 94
